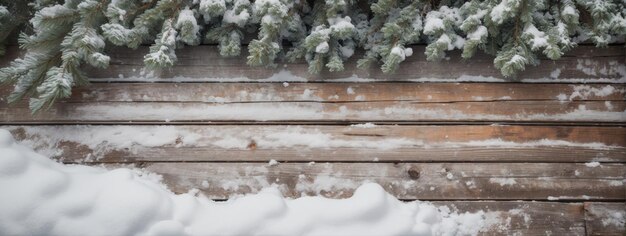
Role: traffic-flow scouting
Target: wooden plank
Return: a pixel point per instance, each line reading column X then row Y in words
column 605, row 218
column 525, row 218
column 424, row 181
column 584, row 64
column 307, row 112
column 341, row 92
column 302, row 102
column 455, row 143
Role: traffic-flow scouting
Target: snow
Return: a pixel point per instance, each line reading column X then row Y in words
column 43, row 197
column 614, row 218
column 602, row 70
column 346, row 51
column 568, row 11
column 186, row 17
column 555, row 73
column 322, row 47
column 479, row 33
column 583, row 92
column 517, row 59
column 538, row 38
column 231, row 17
column 592, row 164
column 498, row 12
column 365, row 125
column 398, row 52
column 284, row 75
column 503, row 181
column 433, row 24
column 273, row 162
column 104, row 139
column 350, row 90
column 408, row 52
column 340, row 24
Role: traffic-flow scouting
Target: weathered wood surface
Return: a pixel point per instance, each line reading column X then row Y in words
column 311, row 112
column 341, row 92
column 203, row 63
column 221, row 141
column 526, row 218
column 331, row 103
column 605, row 218
column 424, row 181
column 388, row 143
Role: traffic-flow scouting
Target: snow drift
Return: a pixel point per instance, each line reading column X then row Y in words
column 43, row 197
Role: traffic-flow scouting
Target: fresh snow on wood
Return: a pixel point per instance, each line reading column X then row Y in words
column 102, row 139
column 81, row 200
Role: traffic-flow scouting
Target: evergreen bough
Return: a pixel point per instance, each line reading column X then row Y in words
column 63, row 35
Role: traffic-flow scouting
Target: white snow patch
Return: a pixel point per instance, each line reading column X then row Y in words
column 551, row 198
column 350, row 90
column 322, row 47
column 614, row 218
column 592, row 164
column 585, row 91
column 364, row 125
column 555, row 73
column 503, row 181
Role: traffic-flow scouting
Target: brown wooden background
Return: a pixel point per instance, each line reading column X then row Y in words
column 554, row 191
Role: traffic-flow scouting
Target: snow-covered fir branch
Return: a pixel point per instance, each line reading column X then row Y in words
column 63, row 35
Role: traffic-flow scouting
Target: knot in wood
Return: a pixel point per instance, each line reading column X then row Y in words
column 414, row 173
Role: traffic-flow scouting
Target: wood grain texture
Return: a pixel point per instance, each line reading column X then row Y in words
column 605, row 218
column 339, row 103
column 526, row 218
column 425, row 181
column 312, row 112
column 455, row 143
column 582, row 64
column 203, row 62
column 341, row 92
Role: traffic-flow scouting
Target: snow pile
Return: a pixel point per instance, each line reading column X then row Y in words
column 43, row 197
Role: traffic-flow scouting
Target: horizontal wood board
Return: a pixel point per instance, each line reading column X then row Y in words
column 203, row 63
column 423, row 181
column 385, row 143
column 331, row 103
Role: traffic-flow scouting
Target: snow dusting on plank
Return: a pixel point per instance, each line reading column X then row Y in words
column 329, row 111
column 611, row 72
column 503, row 181
column 583, row 92
column 104, row 139
column 592, row 164
column 82, row 200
